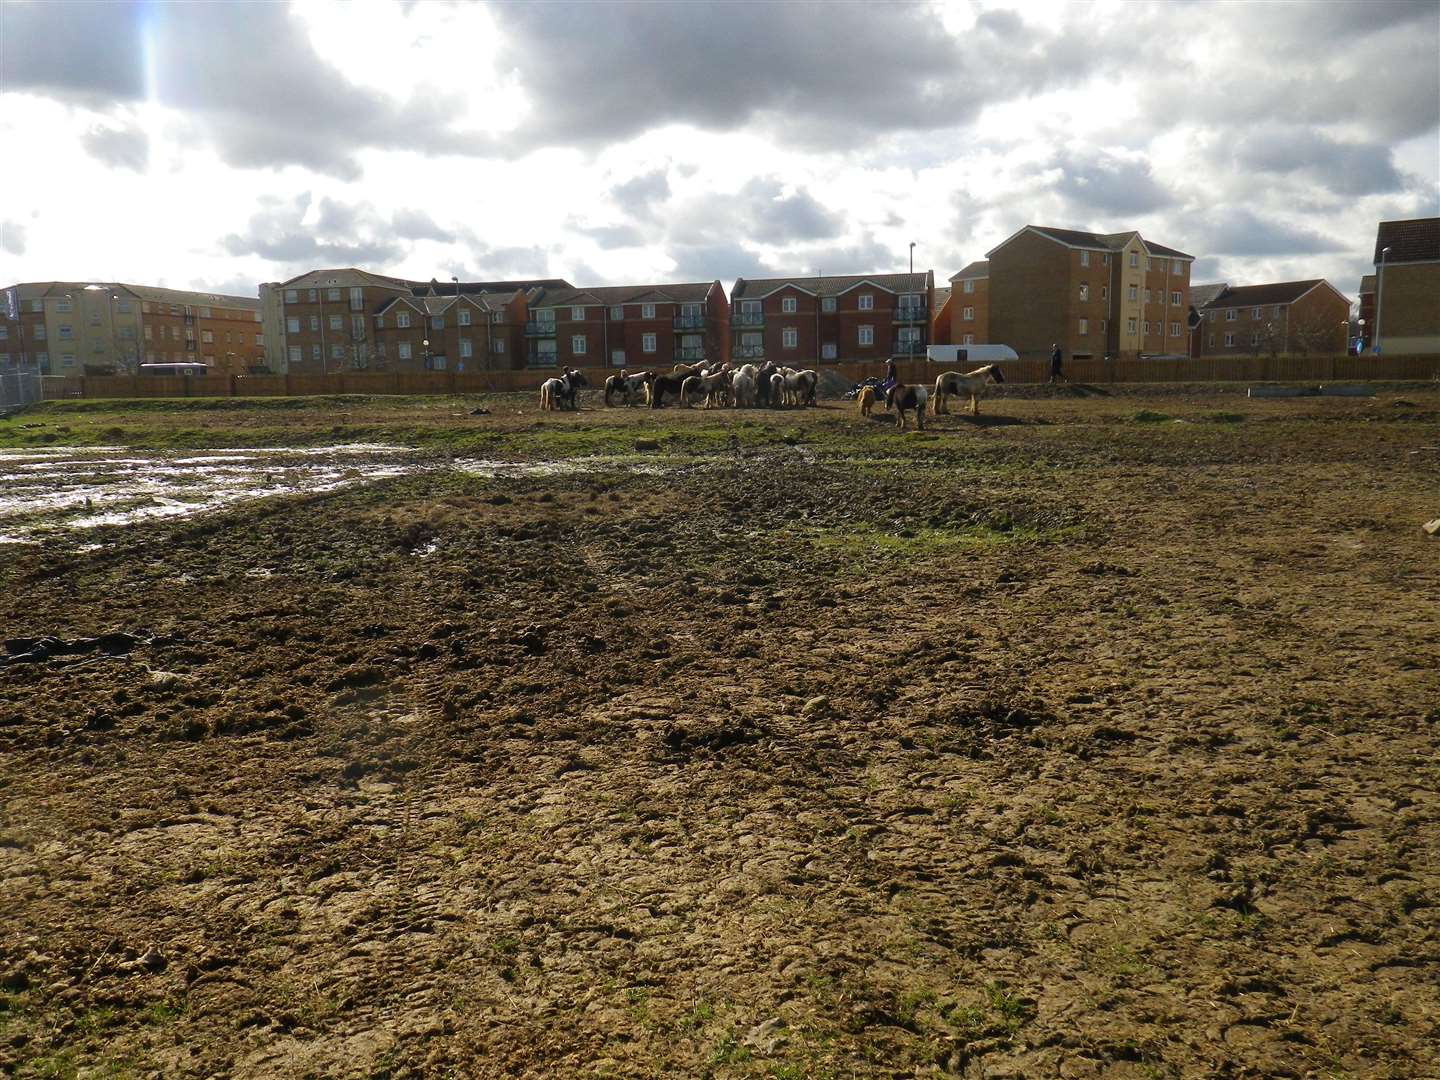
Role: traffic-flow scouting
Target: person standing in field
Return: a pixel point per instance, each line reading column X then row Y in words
column 1056, row 375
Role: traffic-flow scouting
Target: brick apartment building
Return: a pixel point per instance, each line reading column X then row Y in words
column 1094, row 294
column 348, row 320
column 629, row 326
column 1200, row 295
column 1366, row 324
column 940, row 317
column 799, row 321
column 1407, row 286
column 970, row 305
column 1294, row 318
column 99, row 328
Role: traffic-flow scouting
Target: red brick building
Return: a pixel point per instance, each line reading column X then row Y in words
column 803, row 321
column 940, row 317
column 1294, row 318
column 970, row 305
column 628, row 326
column 1093, row 294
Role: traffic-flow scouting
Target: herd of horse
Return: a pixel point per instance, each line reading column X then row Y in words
column 767, row 385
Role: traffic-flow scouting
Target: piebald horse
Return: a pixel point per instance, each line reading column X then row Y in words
column 562, row 393
column 907, row 399
column 971, row 383
column 631, row 388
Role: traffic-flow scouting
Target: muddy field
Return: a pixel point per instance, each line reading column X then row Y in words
column 1100, row 737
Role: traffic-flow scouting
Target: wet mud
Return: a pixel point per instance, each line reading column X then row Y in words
column 1052, row 748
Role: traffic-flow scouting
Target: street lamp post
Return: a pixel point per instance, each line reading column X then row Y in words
column 425, row 344
column 1379, row 298
column 912, row 256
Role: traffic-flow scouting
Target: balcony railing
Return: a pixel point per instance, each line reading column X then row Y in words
column 690, row 322
column 748, row 318
column 542, row 360
column 540, row 329
column 910, row 313
column 748, row 352
column 908, row 348
column 690, row 355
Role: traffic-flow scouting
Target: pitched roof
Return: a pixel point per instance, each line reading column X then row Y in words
column 449, row 288
column 316, row 278
column 1094, row 241
column 941, row 296
column 1367, row 284
column 1279, row 292
column 1415, row 240
column 690, row 292
column 183, row 296
column 1200, row 295
column 833, row 286
column 979, row 269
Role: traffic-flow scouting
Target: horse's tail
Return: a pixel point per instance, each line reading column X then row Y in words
column 938, row 405
column 609, row 387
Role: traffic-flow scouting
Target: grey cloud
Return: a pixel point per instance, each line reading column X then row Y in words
column 614, row 236
column 761, row 210
column 418, row 225
column 489, row 263
column 120, row 148
column 1109, row 185
column 1242, row 233
column 725, row 261
column 1345, row 168
column 245, row 74
column 12, row 238
column 277, row 232
column 641, row 195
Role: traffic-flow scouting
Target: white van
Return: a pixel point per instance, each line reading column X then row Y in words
column 970, row 354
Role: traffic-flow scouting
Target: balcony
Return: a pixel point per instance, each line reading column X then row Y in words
column 748, row 352
column 540, row 329
column 690, row 322
column 689, row 356
column 911, row 314
column 908, row 348
column 748, row 318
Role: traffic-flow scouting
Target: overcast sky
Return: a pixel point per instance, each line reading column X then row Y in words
column 217, row 146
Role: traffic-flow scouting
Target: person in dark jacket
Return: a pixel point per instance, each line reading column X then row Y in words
column 1056, row 375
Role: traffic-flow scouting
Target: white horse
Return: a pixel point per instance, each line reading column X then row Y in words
column 962, row 383
column 742, row 390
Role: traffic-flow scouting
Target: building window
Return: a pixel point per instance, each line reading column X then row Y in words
column 788, row 305
column 647, row 343
column 1145, row 326
column 1229, row 340
column 647, row 311
column 463, row 316
column 578, row 344
column 1174, row 329
column 312, row 295
column 829, row 351
column 1254, row 339
column 259, row 339
column 337, row 352
column 66, row 334
column 827, row 303
column 545, row 315
column 1103, row 325
column 1084, row 258
column 465, row 347
column 617, row 356
column 205, row 313
column 967, row 314
column 4, row 333
column 1084, row 290
column 498, row 345
column 1130, row 326
column 332, row 294
column 1277, row 311
column 404, row 350
column 437, row 322
column 37, row 305
column 402, row 320
column 790, row 337
column 39, row 331
column 867, row 302
column 67, row 359
column 357, row 298
column 1211, row 341
column 1160, row 264
column 208, row 337
column 969, row 286
column 437, row 363
column 1104, row 292
column 967, row 339
column 357, row 326
column 122, row 306
column 314, row 323
column 1134, row 259
column 1147, row 296
column 292, row 296
column 1084, row 326
column 1133, row 293
column 617, row 314
column 1175, row 299
column 63, row 305
column 577, row 314
column 1231, row 314
column 867, row 335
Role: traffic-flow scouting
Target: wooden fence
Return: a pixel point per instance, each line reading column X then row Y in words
column 1304, row 369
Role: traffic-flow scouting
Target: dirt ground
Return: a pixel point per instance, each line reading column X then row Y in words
column 1100, row 737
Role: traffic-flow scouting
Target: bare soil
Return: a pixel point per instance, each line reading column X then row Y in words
column 1099, row 737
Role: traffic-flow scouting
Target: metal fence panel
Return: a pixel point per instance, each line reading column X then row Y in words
column 19, row 386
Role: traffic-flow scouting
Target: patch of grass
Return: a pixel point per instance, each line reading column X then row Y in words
column 851, row 541
column 728, row 1051
column 1148, row 416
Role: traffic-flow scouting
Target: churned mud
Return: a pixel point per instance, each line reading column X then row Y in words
column 1092, row 739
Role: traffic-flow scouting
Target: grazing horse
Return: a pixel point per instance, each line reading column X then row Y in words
column 629, row 387
column 777, row 390
column 907, row 399
column 659, row 385
column 960, row 383
column 800, row 386
column 866, row 400
column 562, row 393
column 742, row 390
